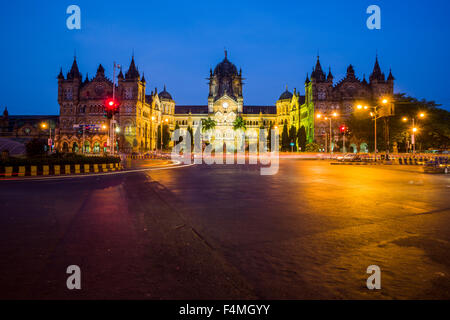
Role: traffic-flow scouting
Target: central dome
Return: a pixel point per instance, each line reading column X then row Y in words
column 225, row 68
column 287, row 95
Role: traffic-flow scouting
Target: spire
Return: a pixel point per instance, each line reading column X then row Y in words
column 226, row 54
column 100, row 71
column 318, row 73
column 5, row 113
column 330, row 75
column 132, row 73
column 390, row 77
column 60, row 75
column 376, row 73
column 307, row 78
column 74, row 72
column 350, row 73
column 143, row 78
column 364, row 81
column 87, row 78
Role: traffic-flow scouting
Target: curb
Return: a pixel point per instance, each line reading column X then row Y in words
column 57, row 170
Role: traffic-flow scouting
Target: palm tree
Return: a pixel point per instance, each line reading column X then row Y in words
column 239, row 123
column 208, row 124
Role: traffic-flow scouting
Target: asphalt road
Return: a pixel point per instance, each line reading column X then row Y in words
column 226, row 232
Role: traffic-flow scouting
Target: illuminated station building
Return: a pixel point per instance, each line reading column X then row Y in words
column 83, row 125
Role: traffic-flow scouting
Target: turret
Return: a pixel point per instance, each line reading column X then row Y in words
column 318, row 75
column 330, row 76
column 377, row 75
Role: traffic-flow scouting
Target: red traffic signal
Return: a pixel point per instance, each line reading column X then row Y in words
column 111, row 104
column 111, row 107
column 343, row 128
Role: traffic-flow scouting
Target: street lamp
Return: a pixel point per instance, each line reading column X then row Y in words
column 374, row 113
column 328, row 118
column 414, row 128
column 44, row 126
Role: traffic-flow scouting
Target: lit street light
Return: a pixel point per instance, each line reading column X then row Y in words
column 328, row 118
column 414, row 129
column 375, row 115
column 50, row 141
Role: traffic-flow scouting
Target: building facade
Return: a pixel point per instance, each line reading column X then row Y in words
column 84, row 127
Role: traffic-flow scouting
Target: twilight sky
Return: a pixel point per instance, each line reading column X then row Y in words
column 177, row 42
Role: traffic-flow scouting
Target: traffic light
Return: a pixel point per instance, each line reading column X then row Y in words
column 111, row 107
column 344, row 129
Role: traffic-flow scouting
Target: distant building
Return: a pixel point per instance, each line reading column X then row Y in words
column 27, row 127
column 82, row 125
column 322, row 96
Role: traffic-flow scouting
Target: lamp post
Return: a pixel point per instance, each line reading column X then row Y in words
column 151, row 134
column 328, row 118
column 374, row 113
column 414, row 129
column 113, row 121
column 50, row 142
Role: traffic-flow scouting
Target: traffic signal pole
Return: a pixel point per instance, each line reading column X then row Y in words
column 111, row 126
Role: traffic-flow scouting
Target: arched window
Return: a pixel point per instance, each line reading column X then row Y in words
column 75, row 147
column 65, row 147
column 96, row 147
column 87, row 147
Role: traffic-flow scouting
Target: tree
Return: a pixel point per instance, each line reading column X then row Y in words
column 35, row 147
column 285, row 138
column 191, row 133
column 208, row 124
column 434, row 128
column 293, row 138
column 239, row 124
column 301, row 138
column 180, row 139
column 165, row 136
column 269, row 138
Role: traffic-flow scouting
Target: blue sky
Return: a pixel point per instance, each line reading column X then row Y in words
column 177, row 42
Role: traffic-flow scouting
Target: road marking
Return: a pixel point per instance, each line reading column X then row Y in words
column 174, row 165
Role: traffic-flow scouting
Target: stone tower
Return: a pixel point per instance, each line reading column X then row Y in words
column 225, row 83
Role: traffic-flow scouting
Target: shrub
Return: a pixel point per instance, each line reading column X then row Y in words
column 35, row 147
